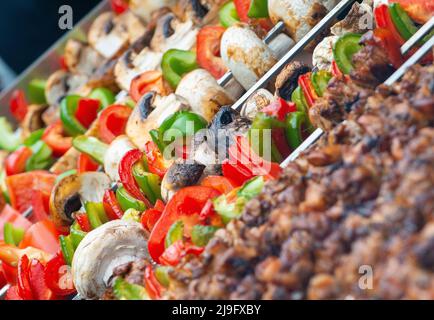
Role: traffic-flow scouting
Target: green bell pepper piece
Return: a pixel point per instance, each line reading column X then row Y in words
column 96, row 214
column 258, row 9
column 175, row 233
column 42, row 157
column 149, row 183
column 127, row 201
column 229, row 211
column 179, row 125
column 257, row 134
column 320, row 80
column 91, row 146
column 127, row 291
column 9, row 140
column 201, row 235
column 67, row 249
column 252, row 188
column 77, row 235
column 68, row 108
column 162, row 275
column 176, row 63
column 12, row 235
column 62, row 176
column 104, row 95
column 132, row 215
column 3, row 187
column 228, row 15
column 299, row 99
column 34, row 137
column 295, row 123
column 344, row 49
column 36, row 91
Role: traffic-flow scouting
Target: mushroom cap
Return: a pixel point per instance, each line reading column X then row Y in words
column 116, row 151
column 245, row 54
column 113, row 244
column 203, row 93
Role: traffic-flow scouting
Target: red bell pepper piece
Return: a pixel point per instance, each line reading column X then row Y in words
column 58, row 276
column 186, row 205
column 55, row 138
column 10, row 273
column 18, row 105
column 40, row 205
column 42, row 235
column 279, row 109
column 384, row 20
column 87, row 111
column 151, row 216
column 208, row 50
column 419, row 10
column 385, row 39
column 146, row 82
column 155, row 160
column 15, row 163
column 83, row 221
column 63, row 64
column 242, row 7
column 111, row 206
column 10, row 215
column 13, row 294
column 24, row 288
column 86, row 164
column 221, row 184
column 172, row 256
column 40, row 290
column 126, row 175
column 112, row 122
column 153, row 287
column 308, row 90
column 119, row 6
column 20, row 187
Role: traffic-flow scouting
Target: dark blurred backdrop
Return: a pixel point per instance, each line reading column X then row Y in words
column 29, row 27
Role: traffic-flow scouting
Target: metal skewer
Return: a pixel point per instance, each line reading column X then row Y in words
column 392, row 79
column 427, row 27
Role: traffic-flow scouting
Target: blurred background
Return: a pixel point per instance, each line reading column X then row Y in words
column 28, row 28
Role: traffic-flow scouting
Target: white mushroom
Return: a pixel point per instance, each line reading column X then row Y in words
column 203, row 93
column 260, row 99
column 299, row 16
column 62, row 83
column 322, row 57
column 113, row 244
column 116, row 151
column 145, row 8
column 81, row 58
column 245, row 54
column 110, row 34
column 151, row 114
column 70, row 193
column 171, row 33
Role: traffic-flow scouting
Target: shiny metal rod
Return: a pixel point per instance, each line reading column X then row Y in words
column 422, row 32
column 298, row 47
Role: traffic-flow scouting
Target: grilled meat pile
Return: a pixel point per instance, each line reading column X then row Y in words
column 352, row 218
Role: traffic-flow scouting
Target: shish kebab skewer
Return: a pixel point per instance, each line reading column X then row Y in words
column 317, row 134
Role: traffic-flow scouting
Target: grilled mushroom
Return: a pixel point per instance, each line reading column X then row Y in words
column 171, row 33
column 260, row 99
column 245, row 54
column 322, row 57
column 142, row 121
column 287, row 80
column 203, row 93
column 81, row 58
column 61, row 83
column 299, row 16
column 33, row 119
column 102, row 251
column 145, row 8
column 110, row 34
column 116, row 151
column 180, row 175
column 202, row 12
column 70, row 193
